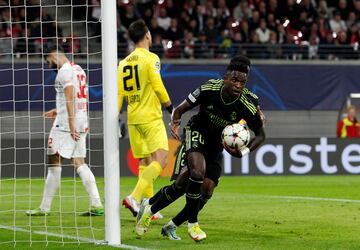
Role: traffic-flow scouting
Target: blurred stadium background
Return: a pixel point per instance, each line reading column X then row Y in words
column 305, row 56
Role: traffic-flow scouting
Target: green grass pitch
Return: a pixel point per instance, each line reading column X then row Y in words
column 283, row 212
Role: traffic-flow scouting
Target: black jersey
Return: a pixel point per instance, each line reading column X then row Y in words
column 215, row 114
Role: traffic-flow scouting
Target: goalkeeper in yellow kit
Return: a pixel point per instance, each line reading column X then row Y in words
column 140, row 84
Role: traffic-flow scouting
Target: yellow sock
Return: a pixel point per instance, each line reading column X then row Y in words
column 147, row 177
column 149, row 190
column 140, row 185
column 141, row 170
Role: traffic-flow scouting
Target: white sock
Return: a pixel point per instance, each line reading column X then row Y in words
column 148, row 210
column 51, row 185
column 89, row 183
column 171, row 223
column 146, row 201
column 192, row 224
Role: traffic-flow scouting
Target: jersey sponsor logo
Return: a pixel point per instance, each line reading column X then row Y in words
column 217, row 121
column 210, row 107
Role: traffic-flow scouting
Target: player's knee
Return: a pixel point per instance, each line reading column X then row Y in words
column 197, row 173
column 161, row 156
column 54, row 160
column 164, row 161
column 207, row 188
column 77, row 162
column 207, row 191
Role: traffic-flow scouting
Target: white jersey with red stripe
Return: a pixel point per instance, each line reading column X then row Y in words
column 71, row 74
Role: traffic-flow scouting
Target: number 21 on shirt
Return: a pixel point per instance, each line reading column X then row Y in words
column 129, row 73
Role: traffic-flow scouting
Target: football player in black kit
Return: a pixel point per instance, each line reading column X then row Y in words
column 198, row 164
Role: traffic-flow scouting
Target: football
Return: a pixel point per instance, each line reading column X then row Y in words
column 236, row 135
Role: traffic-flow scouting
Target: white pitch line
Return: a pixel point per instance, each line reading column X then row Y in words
column 303, row 198
column 81, row 239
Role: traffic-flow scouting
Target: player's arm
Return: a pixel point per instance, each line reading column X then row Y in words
column 255, row 100
column 52, row 113
column 258, row 140
column 192, row 100
column 70, row 107
column 120, row 89
column 158, row 85
column 176, row 118
column 122, row 126
column 261, row 114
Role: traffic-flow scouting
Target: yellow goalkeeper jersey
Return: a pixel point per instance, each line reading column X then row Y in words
column 140, row 83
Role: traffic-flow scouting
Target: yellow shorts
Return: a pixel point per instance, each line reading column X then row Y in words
column 147, row 138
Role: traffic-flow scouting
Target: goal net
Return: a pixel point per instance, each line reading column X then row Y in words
column 27, row 90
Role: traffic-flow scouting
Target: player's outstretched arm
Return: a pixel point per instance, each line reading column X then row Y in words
column 176, row 118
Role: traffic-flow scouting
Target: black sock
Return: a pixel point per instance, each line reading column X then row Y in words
column 156, row 196
column 203, row 200
column 192, row 198
column 168, row 195
column 182, row 216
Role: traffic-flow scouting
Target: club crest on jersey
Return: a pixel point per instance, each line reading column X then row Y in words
column 233, row 116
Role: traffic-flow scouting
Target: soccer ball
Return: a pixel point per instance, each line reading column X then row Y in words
column 236, row 135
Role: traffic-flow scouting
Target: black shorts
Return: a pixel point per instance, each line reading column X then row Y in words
column 194, row 142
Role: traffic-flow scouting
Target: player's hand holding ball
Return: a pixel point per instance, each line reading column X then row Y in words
column 235, row 139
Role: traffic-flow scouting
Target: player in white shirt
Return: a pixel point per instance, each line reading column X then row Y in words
column 67, row 137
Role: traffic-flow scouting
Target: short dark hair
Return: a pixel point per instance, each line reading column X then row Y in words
column 241, row 59
column 239, row 63
column 137, row 30
column 53, row 48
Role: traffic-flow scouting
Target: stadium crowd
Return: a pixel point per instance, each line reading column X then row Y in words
column 257, row 28
column 290, row 29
